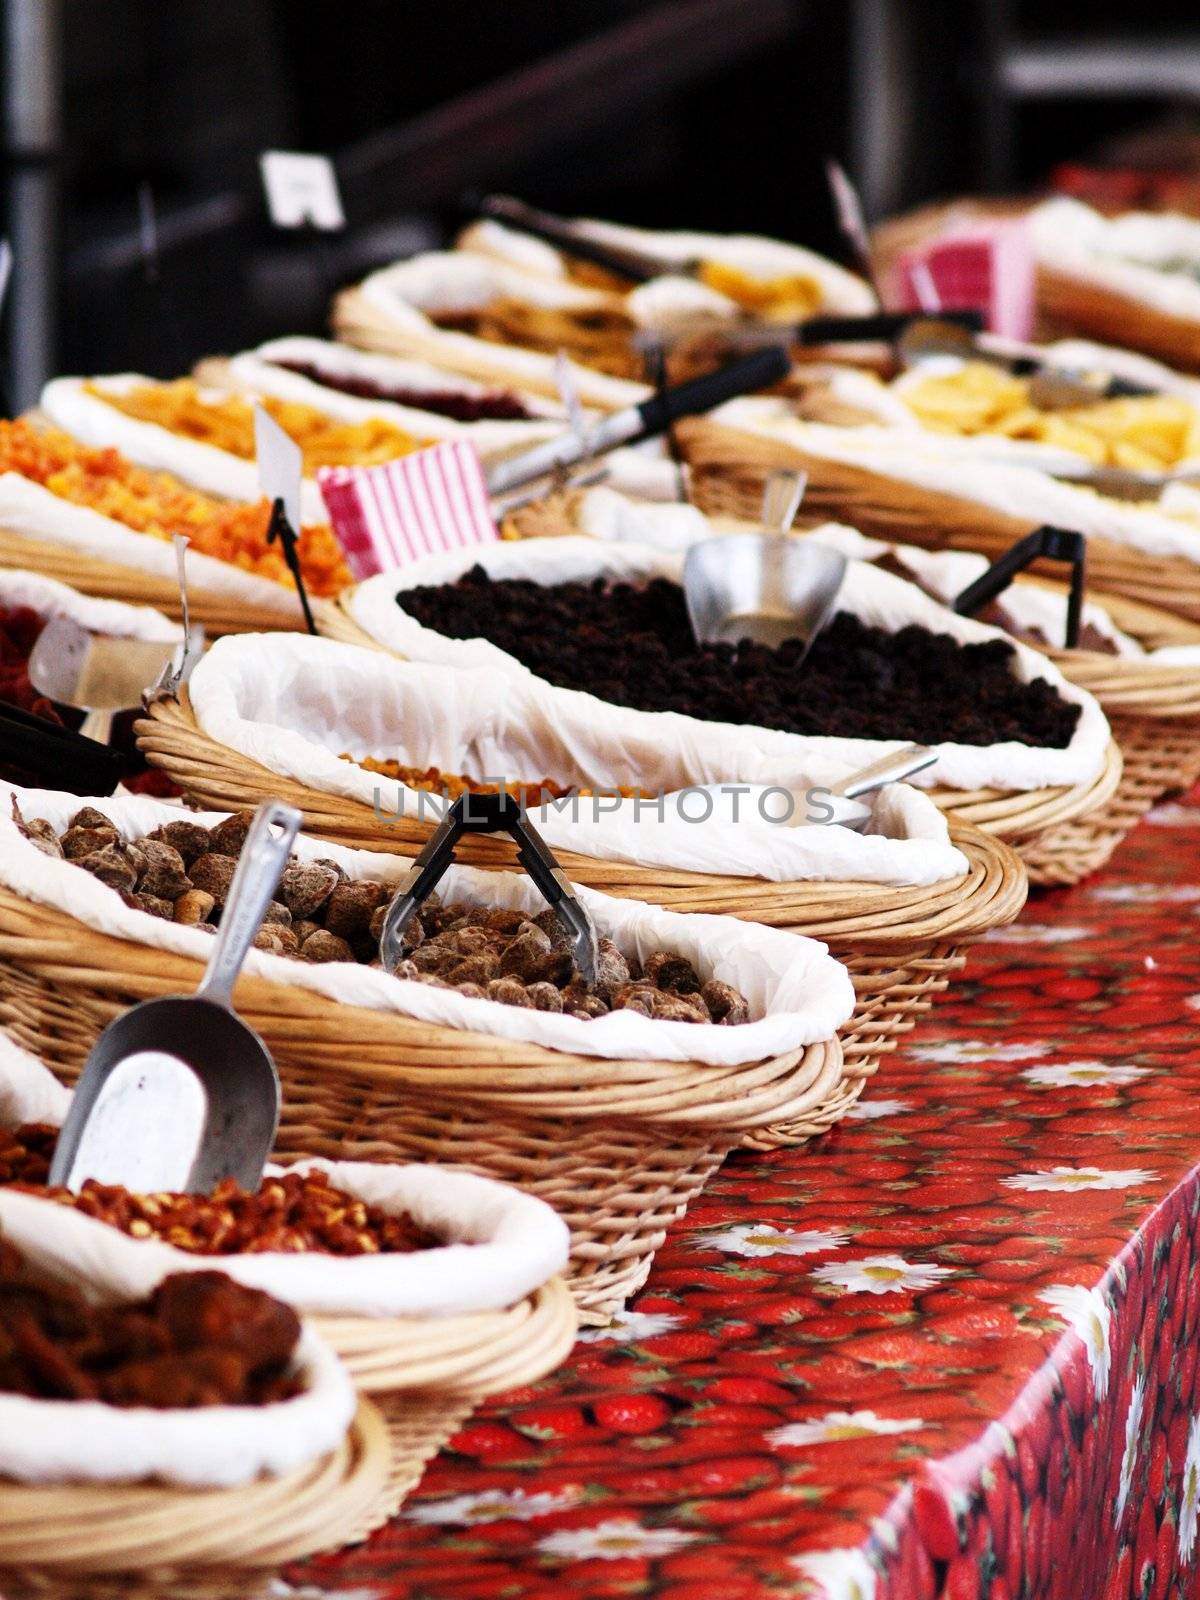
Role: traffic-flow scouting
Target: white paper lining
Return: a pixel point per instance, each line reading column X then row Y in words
column 797, row 993
column 322, row 699
column 113, row 618
column 1118, row 253
column 727, row 752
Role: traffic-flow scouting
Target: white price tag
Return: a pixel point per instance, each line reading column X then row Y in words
column 280, row 465
column 849, row 210
column 301, row 189
column 568, row 393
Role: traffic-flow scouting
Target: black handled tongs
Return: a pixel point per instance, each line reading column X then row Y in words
column 57, row 756
column 489, row 813
column 1053, row 544
column 564, row 235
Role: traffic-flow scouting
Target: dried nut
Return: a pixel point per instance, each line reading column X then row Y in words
column 670, row 972
column 155, row 905
column 193, row 906
column 526, row 949
column 213, row 873
column 555, row 967
column 277, row 912
column 509, row 993
column 163, row 874
column 725, row 1004
column 545, row 997
column 305, row 886
column 42, row 836
column 552, row 925
column 80, row 842
column 477, row 969
column 189, row 838
column 112, row 866
column 89, row 817
column 325, row 946
column 612, row 969
column 635, row 997
column 228, row 837
column 504, row 921
column 348, row 909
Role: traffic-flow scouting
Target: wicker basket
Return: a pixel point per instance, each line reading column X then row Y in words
column 617, row 1148
column 468, row 1356
column 900, row 944
column 111, row 581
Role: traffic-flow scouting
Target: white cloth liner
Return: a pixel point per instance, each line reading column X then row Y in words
column 113, row 618
column 752, row 254
column 727, row 752
column 29, row 510
column 797, row 993
column 975, row 470
column 259, row 372
column 1120, row 253
column 502, row 1244
column 321, row 699
column 505, row 364
column 94, row 422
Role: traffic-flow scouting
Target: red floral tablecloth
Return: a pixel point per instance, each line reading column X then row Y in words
column 952, row 1349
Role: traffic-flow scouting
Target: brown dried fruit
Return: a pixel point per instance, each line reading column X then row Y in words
column 89, row 817
column 376, row 927
column 465, row 941
column 228, row 837
column 726, row 1004
column 325, row 946
column 79, row 842
column 526, row 949
column 305, row 886
column 430, row 957
column 670, row 1007
column 480, row 968
column 555, row 967
column 348, row 909
column 545, row 997
column 189, row 838
column 509, row 993
column 213, row 873
column 342, row 875
column 42, row 836
column 304, row 927
column 504, row 920
column 636, row 997
column 276, row 912
column 112, row 866
column 473, row 991
column 193, row 906
column 406, row 969
column 612, row 969
column 267, row 939
column 432, row 980
column 163, row 874
column 154, row 904
column 552, row 926
column 674, row 973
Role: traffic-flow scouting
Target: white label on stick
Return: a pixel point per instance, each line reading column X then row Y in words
column 280, row 465
column 849, row 209
column 301, row 189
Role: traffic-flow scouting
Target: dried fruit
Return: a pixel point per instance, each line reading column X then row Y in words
column 163, row 874
column 350, row 907
column 193, row 906
column 305, row 886
column 112, row 865
column 325, row 946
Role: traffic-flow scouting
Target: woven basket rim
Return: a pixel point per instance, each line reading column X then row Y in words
column 959, row 908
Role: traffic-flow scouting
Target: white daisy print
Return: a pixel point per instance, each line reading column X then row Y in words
column 1083, row 1075
column 627, row 1327
column 1190, row 1501
column 1133, row 1442
column 837, row 1574
column 968, row 1050
column 1069, row 1180
column 1172, row 815
column 880, row 1275
column 610, row 1541
column 837, row 1426
column 1087, row 1312
column 868, row 1110
column 491, row 1505
column 761, row 1239
column 1146, row 893
column 1037, row 933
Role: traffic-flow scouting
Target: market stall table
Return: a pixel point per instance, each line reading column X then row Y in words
column 952, row 1349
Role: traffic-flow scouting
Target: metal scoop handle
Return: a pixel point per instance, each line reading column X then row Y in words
column 489, row 813
column 890, row 769
column 263, row 858
column 1054, row 544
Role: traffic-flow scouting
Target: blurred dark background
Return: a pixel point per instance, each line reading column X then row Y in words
column 709, row 113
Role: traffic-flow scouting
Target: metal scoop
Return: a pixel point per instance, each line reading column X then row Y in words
column 763, row 587
column 241, row 1087
column 843, row 799
column 93, row 673
column 1051, row 388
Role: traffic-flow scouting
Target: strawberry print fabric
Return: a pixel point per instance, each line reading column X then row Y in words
column 950, row 1350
